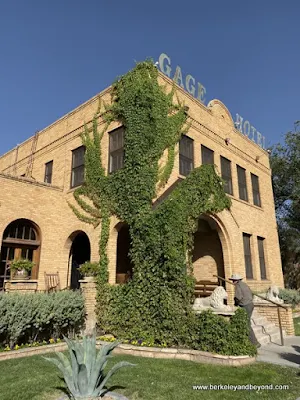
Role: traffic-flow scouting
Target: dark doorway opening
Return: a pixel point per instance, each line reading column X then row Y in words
column 80, row 253
column 124, row 265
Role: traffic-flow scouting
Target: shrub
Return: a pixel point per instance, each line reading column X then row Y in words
column 39, row 316
column 89, row 269
column 22, row 264
column 216, row 334
column 290, row 296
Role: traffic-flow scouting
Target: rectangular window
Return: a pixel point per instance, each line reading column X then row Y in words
column 116, row 149
column 261, row 255
column 186, row 155
column 247, row 254
column 226, row 175
column 48, row 172
column 207, row 155
column 241, row 173
column 77, row 176
column 255, row 190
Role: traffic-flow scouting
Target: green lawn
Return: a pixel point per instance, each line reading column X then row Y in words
column 33, row 378
column 297, row 326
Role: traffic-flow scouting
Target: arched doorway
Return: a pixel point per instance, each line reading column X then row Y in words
column 80, row 253
column 207, row 254
column 124, row 265
column 21, row 239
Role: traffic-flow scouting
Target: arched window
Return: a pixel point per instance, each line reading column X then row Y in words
column 21, row 239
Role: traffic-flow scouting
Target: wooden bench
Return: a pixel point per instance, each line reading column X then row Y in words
column 205, row 288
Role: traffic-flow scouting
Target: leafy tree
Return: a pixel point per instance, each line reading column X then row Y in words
column 285, row 164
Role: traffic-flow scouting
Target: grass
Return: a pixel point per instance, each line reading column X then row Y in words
column 33, row 378
column 297, row 326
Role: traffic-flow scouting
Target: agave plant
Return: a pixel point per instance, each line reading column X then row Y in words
column 84, row 371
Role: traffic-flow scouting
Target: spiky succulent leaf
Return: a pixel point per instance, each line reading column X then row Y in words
column 83, row 382
column 90, row 355
column 74, row 363
column 100, row 389
column 98, row 374
column 66, row 374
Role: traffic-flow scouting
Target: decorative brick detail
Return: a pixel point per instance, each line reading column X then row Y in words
column 24, row 286
column 269, row 311
column 89, row 292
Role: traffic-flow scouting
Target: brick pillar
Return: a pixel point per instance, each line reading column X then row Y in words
column 23, row 286
column 89, row 291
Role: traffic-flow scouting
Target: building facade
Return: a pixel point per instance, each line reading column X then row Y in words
column 38, row 178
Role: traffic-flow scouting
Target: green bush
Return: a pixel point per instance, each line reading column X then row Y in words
column 39, row 316
column 89, row 269
column 290, row 296
column 216, row 334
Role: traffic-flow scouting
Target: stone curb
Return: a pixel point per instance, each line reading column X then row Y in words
column 151, row 352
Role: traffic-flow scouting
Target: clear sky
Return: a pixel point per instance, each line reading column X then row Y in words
column 57, row 54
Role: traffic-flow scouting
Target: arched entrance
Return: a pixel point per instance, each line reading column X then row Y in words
column 80, row 253
column 124, row 265
column 21, row 239
column 207, row 254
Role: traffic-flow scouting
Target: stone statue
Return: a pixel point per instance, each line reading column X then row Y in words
column 215, row 301
column 273, row 294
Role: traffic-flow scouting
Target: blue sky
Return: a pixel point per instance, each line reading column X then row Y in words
column 57, row 54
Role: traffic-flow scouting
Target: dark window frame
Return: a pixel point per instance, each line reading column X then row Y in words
column 48, row 175
column 77, row 169
column 255, row 190
column 227, row 177
column 116, row 155
column 206, row 152
column 248, row 255
column 186, row 155
column 262, row 258
column 242, row 183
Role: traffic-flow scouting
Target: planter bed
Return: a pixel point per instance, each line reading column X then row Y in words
column 151, row 352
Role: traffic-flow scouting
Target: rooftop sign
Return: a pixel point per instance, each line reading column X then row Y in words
column 197, row 90
column 248, row 130
column 189, row 84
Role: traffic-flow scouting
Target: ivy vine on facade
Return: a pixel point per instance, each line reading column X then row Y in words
column 156, row 303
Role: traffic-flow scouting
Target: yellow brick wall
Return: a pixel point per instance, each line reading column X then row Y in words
column 46, row 205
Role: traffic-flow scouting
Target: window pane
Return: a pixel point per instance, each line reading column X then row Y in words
column 247, row 255
column 32, row 234
column 78, row 176
column 185, row 166
column 19, row 231
column 243, row 194
column 226, row 175
column 116, row 139
column 207, row 155
column 255, row 190
column 261, row 254
column 78, row 157
column 27, row 232
column 78, row 167
column 186, row 155
column 48, row 172
column 186, row 147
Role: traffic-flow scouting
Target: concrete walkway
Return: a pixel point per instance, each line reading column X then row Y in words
column 287, row 355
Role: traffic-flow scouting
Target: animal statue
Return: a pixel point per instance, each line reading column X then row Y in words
column 215, row 301
column 273, row 294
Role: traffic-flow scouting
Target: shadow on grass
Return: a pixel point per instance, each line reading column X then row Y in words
column 65, row 394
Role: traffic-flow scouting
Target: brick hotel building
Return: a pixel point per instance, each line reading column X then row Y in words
column 38, row 178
